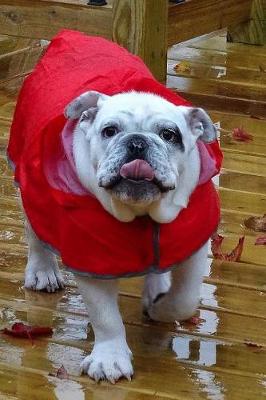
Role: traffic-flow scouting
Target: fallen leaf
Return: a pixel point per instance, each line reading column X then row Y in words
column 252, row 344
column 256, row 116
column 194, row 320
column 235, row 255
column 183, row 66
column 19, row 329
column 261, row 240
column 258, row 224
column 240, row 135
column 61, row 373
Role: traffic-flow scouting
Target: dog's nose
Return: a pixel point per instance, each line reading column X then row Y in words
column 137, row 146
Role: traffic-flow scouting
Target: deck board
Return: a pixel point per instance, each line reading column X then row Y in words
column 211, row 360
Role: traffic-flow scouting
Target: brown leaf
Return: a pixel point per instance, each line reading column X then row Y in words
column 235, row 255
column 257, row 224
column 61, row 373
column 261, row 240
column 183, row 66
column 252, row 344
column 240, row 135
column 256, row 116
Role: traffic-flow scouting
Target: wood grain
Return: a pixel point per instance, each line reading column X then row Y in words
column 43, row 19
column 195, row 18
column 141, row 27
column 254, row 30
column 221, row 357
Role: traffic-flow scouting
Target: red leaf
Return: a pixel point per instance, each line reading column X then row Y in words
column 261, row 240
column 194, row 320
column 61, row 373
column 21, row 330
column 240, row 135
column 235, row 255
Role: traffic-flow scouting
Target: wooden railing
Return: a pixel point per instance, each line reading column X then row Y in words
column 145, row 27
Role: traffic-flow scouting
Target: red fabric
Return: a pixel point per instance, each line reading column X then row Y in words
column 87, row 237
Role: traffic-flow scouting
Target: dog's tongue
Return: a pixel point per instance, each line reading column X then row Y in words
column 137, row 170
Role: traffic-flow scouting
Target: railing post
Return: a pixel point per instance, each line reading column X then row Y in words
column 254, row 30
column 141, row 27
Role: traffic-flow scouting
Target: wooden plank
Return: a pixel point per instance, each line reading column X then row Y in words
column 229, row 59
column 141, row 26
column 220, row 323
column 25, row 383
column 18, row 63
column 223, row 103
column 10, row 44
column 193, row 382
column 229, row 73
column 215, row 295
column 236, row 180
column 218, row 87
column 238, row 274
column 254, row 30
column 43, row 19
column 6, row 107
column 242, row 201
column 217, row 42
column 247, row 163
column 195, row 18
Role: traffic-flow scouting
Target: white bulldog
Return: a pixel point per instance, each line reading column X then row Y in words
column 137, row 153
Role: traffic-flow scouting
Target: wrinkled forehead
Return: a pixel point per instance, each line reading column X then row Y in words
column 141, row 108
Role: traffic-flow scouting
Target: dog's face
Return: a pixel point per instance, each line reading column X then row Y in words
column 138, row 143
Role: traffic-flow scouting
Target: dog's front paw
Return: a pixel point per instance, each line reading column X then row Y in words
column 43, row 278
column 108, row 361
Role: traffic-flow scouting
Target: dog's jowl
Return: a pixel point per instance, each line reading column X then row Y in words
column 115, row 176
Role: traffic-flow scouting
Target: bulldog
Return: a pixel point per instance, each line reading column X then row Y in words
column 120, row 185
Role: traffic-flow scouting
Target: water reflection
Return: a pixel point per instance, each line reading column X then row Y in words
column 210, row 385
column 202, row 353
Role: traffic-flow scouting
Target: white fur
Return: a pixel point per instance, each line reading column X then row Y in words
column 88, row 153
column 111, row 357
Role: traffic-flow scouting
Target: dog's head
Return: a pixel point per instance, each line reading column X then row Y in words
column 137, row 143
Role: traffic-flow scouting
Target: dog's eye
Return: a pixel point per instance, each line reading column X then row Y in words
column 109, row 131
column 169, row 135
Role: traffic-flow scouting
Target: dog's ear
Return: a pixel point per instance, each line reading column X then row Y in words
column 200, row 124
column 86, row 103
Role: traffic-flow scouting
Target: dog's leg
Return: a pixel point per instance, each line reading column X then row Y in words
column 155, row 285
column 182, row 299
column 42, row 271
column 110, row 358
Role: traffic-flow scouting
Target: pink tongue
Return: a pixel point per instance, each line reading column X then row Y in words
column 137, row 170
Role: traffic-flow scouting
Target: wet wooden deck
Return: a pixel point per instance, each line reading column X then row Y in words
column 213, row 360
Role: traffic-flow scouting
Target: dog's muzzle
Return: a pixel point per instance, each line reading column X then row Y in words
column 136, row 170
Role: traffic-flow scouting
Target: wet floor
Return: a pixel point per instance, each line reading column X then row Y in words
column 223, row 356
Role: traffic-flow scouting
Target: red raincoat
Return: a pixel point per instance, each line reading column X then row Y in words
column 73, row 222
